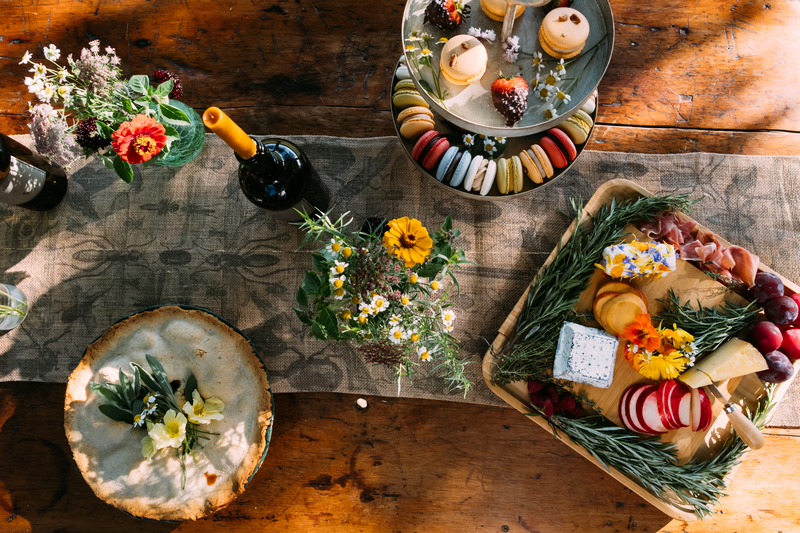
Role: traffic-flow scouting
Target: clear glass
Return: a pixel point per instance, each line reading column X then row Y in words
column 193, row 136
column 13, row 307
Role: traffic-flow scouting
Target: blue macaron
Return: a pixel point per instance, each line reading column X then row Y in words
column 461, row 170
column 444, row 164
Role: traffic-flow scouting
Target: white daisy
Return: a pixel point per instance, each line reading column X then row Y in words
column 545, row 91
column 397, row 335
column 413, row 37
column 39, row 70
column 52, row 53
column 426, row 53
column 380, row 303
column 550, row 112
column 338, row 282
column 394, row 320
column 561, row 70
column 469, row 139
column 489, row 146
column 338, row 294
column 537, row 61
column 62, row 75
column 500, row 140
column 564, row 97
column 442, row 40
column 424, row 354
column 552, row 78
column 448, row 328
column 339, row 267
column 448, row 316
column 334, row 247
column 138, row 420
column 425, row 36
column 405, row 301
column 366, row 309
column 26, row 58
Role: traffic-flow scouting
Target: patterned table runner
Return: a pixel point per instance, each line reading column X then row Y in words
column 189, row 236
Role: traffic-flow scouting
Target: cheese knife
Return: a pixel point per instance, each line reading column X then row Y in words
column 749, row 433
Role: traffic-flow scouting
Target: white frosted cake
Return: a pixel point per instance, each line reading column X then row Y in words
column 585, row 355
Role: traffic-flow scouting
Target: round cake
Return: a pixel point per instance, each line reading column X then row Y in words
column 109, row 453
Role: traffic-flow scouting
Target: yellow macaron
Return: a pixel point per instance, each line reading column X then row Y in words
column 463, row 60
column 496, row 9
column 563, row 33
column 414, row 121
column 544, row 161
column 515, row 173
column 503, row 176
column 526, row 159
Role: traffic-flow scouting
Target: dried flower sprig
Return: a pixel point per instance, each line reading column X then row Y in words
column 420, row 55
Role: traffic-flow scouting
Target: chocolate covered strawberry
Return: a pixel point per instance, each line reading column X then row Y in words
column 445, row 14
column 510, row 97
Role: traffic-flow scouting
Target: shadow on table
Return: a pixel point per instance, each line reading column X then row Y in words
column 40, row 487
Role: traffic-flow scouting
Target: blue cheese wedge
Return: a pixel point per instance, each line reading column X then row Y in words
column 585, row 355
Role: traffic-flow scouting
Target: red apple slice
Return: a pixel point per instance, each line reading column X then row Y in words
column 678, row 393
column 633, row 412
column 706, row 413
column 664, row 400
column 649, row 415
column 623, row 408
column 685, row 409
column 695, row 407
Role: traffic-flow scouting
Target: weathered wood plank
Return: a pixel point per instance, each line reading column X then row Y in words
column 403, row 465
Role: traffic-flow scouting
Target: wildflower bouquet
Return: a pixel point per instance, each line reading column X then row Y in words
column 383, row 289
column 125, row 122
column 147, row 400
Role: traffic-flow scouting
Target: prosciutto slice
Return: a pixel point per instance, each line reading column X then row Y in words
column 703, row 247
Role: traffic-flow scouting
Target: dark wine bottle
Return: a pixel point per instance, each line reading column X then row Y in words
column 27, row 179
column 274, row 174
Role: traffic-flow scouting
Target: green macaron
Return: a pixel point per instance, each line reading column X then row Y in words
column 577, row 127
column 502, row 176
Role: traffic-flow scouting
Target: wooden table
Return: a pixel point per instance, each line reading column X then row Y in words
column 711, row 76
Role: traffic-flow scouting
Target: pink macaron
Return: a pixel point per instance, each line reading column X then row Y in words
column 564, row 142
column 439, row 145
column 553, row 152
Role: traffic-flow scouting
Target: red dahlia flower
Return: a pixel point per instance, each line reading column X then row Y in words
column 139, row 140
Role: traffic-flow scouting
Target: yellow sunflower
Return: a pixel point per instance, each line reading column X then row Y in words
column 409, row 240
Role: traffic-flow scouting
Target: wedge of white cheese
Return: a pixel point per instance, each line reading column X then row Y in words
column 733, row 359
column 585, row 355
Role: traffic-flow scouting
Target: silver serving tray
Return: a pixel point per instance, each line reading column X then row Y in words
column 470, row 106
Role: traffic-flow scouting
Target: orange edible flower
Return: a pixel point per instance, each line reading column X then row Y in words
column 409, row 240
column 642, row 333
column 139, row 140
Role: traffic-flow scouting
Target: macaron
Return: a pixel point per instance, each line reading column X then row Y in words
column 577, row 127
column 503, row 176
column 446, row 161
column 542, row 161
column 402, row 73
column 496, row 9
column 590, row 104
column 563, row 33
column 406, row 95
column 461, row 169
column 527, row 160
column 554, row 153
column 414, row 121
column 429, row 149
column 564, row 143
column 488, row 178
column 515, row 174
column 478, row 162
column 463, row 60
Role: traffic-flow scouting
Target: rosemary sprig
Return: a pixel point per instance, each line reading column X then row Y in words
column 652, row 463
column 556, row 289
column 711, row 326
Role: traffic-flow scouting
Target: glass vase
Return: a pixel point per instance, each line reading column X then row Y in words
column 190, row 145
column 13, row 307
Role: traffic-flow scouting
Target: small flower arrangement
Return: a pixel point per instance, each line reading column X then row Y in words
column 383, row 288
column 420, row 55
column 658, row 354
column 125, row 122
column 146, row 400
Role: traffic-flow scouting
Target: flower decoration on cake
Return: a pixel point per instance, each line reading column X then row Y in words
column 393, row 299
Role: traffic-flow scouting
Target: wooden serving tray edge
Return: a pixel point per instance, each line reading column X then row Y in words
column 620, row 189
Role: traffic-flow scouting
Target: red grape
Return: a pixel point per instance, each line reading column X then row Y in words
column 767, row 287
column 791, row 343
column 796, row 298
column 781, row 310
column 780, row 368
column 766, row 336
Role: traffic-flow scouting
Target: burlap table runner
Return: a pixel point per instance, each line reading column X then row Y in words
column 189, row 236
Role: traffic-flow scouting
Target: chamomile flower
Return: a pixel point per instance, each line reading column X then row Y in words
column 334, row 247
column 338, row 282
column 434, row 285
column 397, row 335
column 347, row 252
column 424, row 354
column 39, row 70
column 339, row 267
column 550, row 112
column 489, row 146
column 150, row 398
column 425, row 36
column 362, row 319
column 564, row 97
column 561, row 69
column 426, row 52
column 500, row 140
column 545, row 91
column 355, row 300
column 338, row 294
column 448, row 328
column 394, row 320
column 414, row 337
column 52, row 53
column 413, row 278
column 62, row 75
column 26, row 58
column 442, row 40
column 468, row 139
column 138, row 420
column 346, row 314
column 551, row 79
column 413, row 37
column 64, row 92
column 410, row 48
column 380, row 303
column 448, row 316
column 405, row 301
column 366, row 309
column 538, row 62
